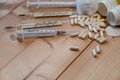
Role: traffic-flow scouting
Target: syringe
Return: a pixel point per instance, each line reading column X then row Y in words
column 46, row 14
column 35, row 33
column 36, row 25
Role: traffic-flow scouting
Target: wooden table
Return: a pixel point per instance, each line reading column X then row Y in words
column 50, row 58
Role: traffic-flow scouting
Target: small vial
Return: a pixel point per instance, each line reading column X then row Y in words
column 97, row 49
column 94, row 53
column 74, row 48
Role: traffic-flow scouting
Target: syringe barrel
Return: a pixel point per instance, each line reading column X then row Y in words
column 21, row 34
column 50, row 4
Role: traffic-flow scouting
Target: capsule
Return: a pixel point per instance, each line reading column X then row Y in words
column 74, row 34
column 95, row 30
column 102, row 40
column 73, row 16
column 102, row 24
column 75, row 20
column 94, row 53
column 97, row 49
column 80, row 35
column 72, row 21
column 100, row 29
column 101, row 34
column 79, row 17
column 74, row 48
column 96, row 36
column 90, row 28
column 90, row 35
column 85, row 34
column 81, row 24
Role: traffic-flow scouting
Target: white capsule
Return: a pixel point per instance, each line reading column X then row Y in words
column 100, row 29
column 95, row 29
column 72, row 21
column 102, row 24
column 79, row 17
column 73, row 16
column 102, row 40
column 75, row 20
column 90, row 28
column 101, row 34
column 97, row 49
column 81, row 24
column 96, row 36
column 74, row 34
column 90, row 35
column 94, row 53
column 80, row 35
column 74, row 48
column 85, row 34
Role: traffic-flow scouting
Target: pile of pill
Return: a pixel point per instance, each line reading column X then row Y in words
column 96, row 27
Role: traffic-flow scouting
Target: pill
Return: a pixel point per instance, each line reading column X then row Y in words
column 102, row 24
column 75, row 20
column 74, row 48
column 102, row 40
column 74, row 34
column 94, row 53
column 90, row 28
column 80, row 35
column 96, row 36
column 73, row 16
column 97, row 49
column 90, row 35
column 79, row 17
column 72, row 21
column 81, row 24
column 100, row 29
column 85, row 34
column 95, row 30
column 101, row 34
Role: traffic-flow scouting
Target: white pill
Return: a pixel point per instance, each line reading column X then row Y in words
column 72, row 21
column 76, row 21
column 102, row 40
column 79, row 17
column 97, row 49
column 95, row 30
column 90, row 28
column 74, row 48
column 94, row 53
column 100, row 29
column 90, row 35
column 96, row 36
column 74, row 34
column 81, row 24
column 101, row 33
column 73, row 16
column 102, row 24
column 85, row 34
column 80, row 35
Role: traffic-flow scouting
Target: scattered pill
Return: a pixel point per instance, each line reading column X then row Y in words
column 74, row 48
column 97, row 49
column 72, row 21
column 85, row 34
column 94, row 53
column 75, row 20
column 74, row 34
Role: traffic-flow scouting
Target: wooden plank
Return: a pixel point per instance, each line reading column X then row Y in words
column 105, row 67
column 6, row 6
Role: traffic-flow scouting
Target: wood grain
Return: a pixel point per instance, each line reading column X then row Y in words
column 105, row 67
